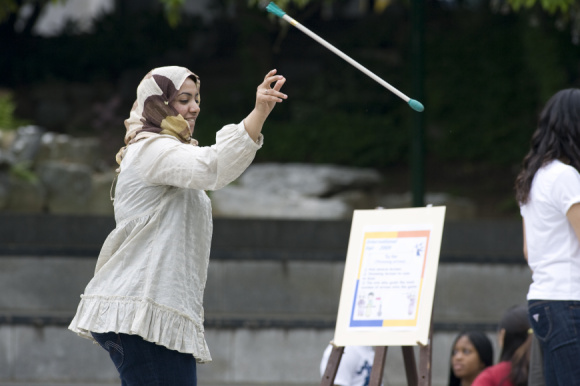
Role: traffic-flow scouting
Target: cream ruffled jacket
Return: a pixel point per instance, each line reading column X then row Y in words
column 152, row 269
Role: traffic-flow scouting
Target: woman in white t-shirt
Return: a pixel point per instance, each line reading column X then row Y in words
column 548, row 191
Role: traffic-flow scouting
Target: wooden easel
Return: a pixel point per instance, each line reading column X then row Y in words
column 412, row 222
column 416, row 376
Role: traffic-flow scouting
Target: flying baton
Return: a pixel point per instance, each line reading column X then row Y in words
column 273, row 8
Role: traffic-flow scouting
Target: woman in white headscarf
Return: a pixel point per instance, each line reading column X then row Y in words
column 144, row 303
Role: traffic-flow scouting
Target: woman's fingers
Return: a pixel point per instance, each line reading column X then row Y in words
column 272, row 94
column 270, row 78
column 275, row 91
column 279, row 84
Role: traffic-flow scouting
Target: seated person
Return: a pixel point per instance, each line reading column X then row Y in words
column 514, row 338
column 471, row 353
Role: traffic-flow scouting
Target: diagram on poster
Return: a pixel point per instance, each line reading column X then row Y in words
column 389, row 278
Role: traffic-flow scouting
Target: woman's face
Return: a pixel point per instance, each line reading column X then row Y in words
column 187, row 102
column 465, row 360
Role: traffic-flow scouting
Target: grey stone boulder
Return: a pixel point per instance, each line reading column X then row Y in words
column 69, row 186
column 26, row 144
column 4, row 189
column 64, row 148
column 6, row 160
column 297, row 191
column 25, row 196
column 6, row 139
column 100, row 203
column 241, row 202
column 307, row 179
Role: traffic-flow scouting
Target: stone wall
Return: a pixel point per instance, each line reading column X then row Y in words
column 46, row 172
column 271, row 298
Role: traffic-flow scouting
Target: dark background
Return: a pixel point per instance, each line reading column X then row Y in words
column 488, row 72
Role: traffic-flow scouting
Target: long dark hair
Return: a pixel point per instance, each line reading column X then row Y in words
column 516, row 343
column 556, row 138
column 483, row 347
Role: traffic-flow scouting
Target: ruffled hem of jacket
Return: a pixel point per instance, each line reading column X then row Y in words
column 153, row 322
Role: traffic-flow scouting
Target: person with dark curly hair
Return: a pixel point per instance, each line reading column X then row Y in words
column 548, row 192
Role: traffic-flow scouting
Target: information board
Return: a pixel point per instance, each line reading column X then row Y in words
column 389, row 278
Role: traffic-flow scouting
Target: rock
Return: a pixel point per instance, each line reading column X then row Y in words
column 4, row 189
column 26, row 144
column 7, row 138
column 25, row 196
column 52, row 147
column 100, row 203
column 69, row 186
column 64, row 148
column 308, row 180
column 6, row 160
column 235, row 201
column 297, row 191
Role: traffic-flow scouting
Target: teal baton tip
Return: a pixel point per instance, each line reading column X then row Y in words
column 416, row 105
column 273, row 8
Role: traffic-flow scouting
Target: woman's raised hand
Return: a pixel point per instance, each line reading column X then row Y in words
column 267, row 95
column 266, row 98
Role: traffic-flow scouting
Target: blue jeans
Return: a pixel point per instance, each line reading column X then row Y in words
column 556, row 324
column 142, row 363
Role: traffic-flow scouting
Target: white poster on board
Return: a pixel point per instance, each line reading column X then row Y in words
column 389, row 279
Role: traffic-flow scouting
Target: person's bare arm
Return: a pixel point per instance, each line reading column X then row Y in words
column 525, row 243
column 574, row 218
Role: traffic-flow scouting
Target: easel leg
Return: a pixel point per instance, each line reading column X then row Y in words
column 378, row 366
column 332, row 366
column 425, row 354
column 410, row 365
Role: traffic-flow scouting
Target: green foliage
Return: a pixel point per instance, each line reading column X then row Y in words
column 486, row 84
column 334, row 113
column 7, row 119
column 551, row 6
column 10, row 7
column 281, row 3
column 487, row 76
column 565, row 12
column 339, row 138
column 7, row 7
column 114, row 46
column 23, row 171
column 173, row 9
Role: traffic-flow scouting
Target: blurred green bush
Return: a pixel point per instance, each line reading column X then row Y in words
column 487, row 76
column 7, row 106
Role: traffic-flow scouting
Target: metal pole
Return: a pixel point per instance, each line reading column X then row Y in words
column 418, row 120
